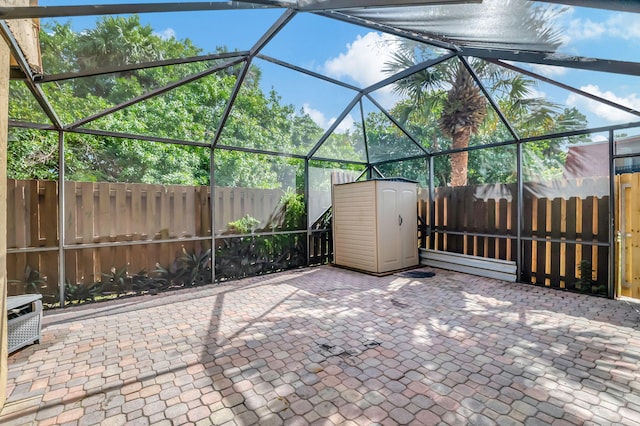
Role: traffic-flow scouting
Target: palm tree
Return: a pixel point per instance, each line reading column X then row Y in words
column 117, row 40
column 448, row 91
column 463, row 111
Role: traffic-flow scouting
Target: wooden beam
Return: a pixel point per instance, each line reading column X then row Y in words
column 26, row 33
column 4, row 123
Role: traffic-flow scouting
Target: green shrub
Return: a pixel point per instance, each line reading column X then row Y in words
column 32, row 281
column 244, row 225
column 294, row 210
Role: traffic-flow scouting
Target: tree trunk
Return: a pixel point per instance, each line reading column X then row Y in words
column 460, row 160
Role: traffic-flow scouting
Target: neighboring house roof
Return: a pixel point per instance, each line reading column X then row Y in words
column 590, row 160
column 587, row 161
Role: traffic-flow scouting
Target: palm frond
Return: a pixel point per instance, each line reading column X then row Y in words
column 417, row 85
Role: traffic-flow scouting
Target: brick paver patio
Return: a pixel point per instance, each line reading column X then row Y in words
column 329, row 346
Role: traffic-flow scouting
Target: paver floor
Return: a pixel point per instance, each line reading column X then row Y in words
column 330, row 346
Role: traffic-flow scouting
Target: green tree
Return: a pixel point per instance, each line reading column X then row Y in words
column 58, row 44
column 115, row 40
column 191, row 112
column 385, row 140
column 32, row 154
column 448, row 92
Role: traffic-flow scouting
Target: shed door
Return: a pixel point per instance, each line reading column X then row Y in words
column 389, row 254
column 408, row 212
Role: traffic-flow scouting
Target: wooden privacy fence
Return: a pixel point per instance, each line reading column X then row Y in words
column 554, row 262
column 475, row 220
column 112, row 212
column 107, row 212
column 119, row 212
column 490, row 212
column 32, row 213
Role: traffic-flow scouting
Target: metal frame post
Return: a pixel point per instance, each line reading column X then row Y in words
column 432, row 201
column 306, row 209
column 61, row 218
column 212, row 198
column 519, row 205
column 364, row 135
column 611, row 290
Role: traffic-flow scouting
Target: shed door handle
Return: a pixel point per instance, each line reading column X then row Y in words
column 399, row 220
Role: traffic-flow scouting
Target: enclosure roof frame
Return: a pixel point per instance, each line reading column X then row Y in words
column 332, row 9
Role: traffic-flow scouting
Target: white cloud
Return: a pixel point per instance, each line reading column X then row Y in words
column 166, row 34
column 345, row 125
column 624, row 26
column 536, row 94
column 316, row 115
column 548, row 70
column 584, row 29
column 363, row 62
column 364, row 59
column 599, row 137
column 616, row 25
column 321, row 120
column 604, row 111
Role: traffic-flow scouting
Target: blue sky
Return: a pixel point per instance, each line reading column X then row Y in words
column 598, row 34
column 356, row 55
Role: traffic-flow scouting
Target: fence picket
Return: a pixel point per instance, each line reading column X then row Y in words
column 33, row 237
column 423, row 214
column 20, row 211
column 587, row 228
column 204, row 211
column 469, row 224
column 86, row 212
column 190, row 214
column 570, row 234
column 480, row 225
column 491, row 227
column 503, row 223
column 527, row 230
column 541, row 246
column 223, row 209
column 137, row 226
column 441, row 219
column 512, row 226
column 105, row 220
column 555, row 233
column 49, row 212
column 236, row 206
column 603, row 237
